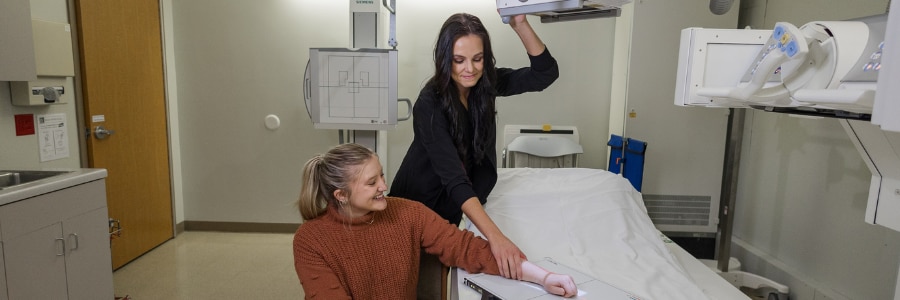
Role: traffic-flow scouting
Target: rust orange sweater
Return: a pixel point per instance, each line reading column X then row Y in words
column 339, row 259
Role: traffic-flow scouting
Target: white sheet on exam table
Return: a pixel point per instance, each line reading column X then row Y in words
column 592, row 220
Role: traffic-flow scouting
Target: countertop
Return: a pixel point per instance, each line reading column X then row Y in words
column 51, row 184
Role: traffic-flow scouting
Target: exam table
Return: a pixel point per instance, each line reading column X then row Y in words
column 596, row 222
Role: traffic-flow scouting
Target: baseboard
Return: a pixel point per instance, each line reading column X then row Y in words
column 239, row 227
column 179, row 228
column 756, row 261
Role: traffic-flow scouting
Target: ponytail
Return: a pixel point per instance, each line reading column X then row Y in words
column 325, row 173
column 311, row 203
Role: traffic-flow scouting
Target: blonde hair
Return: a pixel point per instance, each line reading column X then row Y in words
column 325, row 173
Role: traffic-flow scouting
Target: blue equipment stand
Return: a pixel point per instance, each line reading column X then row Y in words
column 616, row 157
column 626, row 157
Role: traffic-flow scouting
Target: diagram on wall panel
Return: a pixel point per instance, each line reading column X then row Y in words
column 353, row 88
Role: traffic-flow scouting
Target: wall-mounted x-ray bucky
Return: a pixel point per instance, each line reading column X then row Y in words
column 355, row 88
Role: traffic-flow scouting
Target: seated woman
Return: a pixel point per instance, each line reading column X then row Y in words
column 355, row 243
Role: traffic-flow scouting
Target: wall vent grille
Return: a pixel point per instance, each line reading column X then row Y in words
column 678, row 209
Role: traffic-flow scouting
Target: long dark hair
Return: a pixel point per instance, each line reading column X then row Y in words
column 481, row 96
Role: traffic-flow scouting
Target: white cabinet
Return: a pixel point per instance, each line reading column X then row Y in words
column 56, row 245
column 89, row 257
column 2, row 276
column 36, row 265
column 17, row 50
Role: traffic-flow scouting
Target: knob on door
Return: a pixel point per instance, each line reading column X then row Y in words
column 101, row 133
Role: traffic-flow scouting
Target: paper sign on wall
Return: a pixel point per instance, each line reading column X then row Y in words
column 53, row 139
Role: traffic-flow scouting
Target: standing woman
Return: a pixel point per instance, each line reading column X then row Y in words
column 451, row 165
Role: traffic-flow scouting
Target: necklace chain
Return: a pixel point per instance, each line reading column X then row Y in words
column 349, row 212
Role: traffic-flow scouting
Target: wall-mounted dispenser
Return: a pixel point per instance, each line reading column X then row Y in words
column 55, row 67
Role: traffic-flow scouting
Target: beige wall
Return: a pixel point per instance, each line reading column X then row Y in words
column 238, row 61
column 803, row 189
column 685, row 145
column 21, row 152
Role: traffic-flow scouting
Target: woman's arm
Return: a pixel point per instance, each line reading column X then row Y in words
column 557, row 284
column 461, row 248
column 543, row 71
column 509, row 257
column 318, row 281
column 533, row 44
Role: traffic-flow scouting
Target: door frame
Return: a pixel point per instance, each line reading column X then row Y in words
column 170, row 87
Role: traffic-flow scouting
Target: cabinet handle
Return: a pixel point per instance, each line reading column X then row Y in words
column 76, row 241
column 62, row 243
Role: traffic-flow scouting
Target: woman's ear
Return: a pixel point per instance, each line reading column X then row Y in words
column 340, row 196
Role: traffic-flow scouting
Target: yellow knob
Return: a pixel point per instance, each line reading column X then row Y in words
column 785, row 38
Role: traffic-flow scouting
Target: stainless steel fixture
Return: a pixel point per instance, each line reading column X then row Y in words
column 11, row 178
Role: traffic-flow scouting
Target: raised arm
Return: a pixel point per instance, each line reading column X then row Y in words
column 543, row 71
column 533, row 44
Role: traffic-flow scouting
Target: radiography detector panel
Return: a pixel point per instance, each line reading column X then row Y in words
column 714, row 58
column 353, row 88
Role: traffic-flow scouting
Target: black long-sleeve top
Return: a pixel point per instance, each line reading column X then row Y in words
column 432, row 171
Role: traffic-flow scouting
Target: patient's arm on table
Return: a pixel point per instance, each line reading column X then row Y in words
column 558, row 284
column 509, row 257
column 443, row 239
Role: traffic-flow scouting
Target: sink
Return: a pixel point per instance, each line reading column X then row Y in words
column 14, row 178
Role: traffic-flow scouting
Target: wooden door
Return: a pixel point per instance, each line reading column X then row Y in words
column 120, row 45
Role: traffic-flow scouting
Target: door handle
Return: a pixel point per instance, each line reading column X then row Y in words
column 75, row 235
column 101, row 133
column 62, row 246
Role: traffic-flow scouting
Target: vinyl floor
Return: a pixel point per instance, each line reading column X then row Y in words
column 213, row 265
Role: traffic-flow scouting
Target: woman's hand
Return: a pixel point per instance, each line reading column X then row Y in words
column 557, row 284
column 560, row 284
column 517, row 20
column 509, row 257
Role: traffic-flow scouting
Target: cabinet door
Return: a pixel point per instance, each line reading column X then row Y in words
column 88, row 260
column 2, row 276
column 39, row 268
column 17, row 53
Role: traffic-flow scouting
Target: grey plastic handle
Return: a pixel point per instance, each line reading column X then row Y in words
column 307, row 94
column 62, row 243
column 388, row 7
column 76, row 241
column 408, row 109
